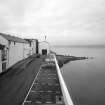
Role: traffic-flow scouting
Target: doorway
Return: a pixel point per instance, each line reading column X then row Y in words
column 44, row 51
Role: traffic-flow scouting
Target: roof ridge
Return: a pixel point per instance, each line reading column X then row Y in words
column 13, row 38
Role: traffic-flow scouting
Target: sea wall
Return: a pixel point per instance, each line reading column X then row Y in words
column 63, row 59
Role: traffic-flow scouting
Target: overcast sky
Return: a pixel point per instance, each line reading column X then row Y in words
column 64, row 22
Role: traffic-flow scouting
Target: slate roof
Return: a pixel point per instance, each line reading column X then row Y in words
column 13, row 38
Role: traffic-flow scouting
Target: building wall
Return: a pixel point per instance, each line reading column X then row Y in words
column 15, row 52
column 3, row 41
column 33, row 46
column 44, row 45
column 26, row 50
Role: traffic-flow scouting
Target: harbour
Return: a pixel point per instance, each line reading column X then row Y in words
column 25, row 71
column 52, row 52
column 85, row 78
column 48, row 78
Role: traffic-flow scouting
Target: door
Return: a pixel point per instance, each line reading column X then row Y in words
column 44, row 51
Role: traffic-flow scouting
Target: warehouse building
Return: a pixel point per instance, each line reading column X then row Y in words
column 33, row 45
column 14, row 49
column 44, row 48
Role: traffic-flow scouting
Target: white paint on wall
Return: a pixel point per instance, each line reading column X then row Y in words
column 26, row 50
column 15, row 53
column 44, row 45
column 33, row 46
column 3, row 41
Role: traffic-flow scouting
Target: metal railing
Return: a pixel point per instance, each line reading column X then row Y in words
column 67, row 98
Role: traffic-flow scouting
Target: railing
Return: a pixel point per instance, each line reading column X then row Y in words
column 67, row 98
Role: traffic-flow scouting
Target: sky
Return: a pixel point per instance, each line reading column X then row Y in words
column 64, row 22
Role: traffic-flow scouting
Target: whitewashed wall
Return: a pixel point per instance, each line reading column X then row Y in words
column 26, row 50
column 3, row 41
column 44, row 45
column 15, row 53
column 30, row 50
column 33, row 47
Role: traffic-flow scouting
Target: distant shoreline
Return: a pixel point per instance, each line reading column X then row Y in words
column 88, row 46
column 62, row 59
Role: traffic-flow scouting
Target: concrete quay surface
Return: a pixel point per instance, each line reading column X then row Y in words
column 16, row 81
column 32, row 81
column 46, row 89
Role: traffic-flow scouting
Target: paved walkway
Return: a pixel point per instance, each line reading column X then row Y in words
column 45, row 89
column 16, row 81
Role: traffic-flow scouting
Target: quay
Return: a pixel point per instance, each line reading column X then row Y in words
column 48, row 87
column 30, row 73
column 34, row 81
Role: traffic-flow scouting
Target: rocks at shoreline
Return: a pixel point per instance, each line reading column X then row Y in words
column 62, row 59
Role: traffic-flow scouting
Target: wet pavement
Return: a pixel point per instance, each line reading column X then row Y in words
column 45, row 89
column 16, row 81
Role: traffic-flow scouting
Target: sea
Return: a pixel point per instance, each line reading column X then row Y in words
column 85, row 79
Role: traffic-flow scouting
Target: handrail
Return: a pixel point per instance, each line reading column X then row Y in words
column 67, row 98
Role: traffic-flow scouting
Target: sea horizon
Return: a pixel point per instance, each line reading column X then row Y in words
column 85, row 79
column 92, row 45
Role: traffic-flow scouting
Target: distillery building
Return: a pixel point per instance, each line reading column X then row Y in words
column 14, row 49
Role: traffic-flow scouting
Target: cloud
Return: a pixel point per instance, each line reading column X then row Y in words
column 64, row 21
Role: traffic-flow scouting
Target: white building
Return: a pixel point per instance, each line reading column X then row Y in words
column 13, row 49
column 44, row 48
column 33, row 46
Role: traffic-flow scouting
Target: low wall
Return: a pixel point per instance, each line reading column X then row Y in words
column 67, row 98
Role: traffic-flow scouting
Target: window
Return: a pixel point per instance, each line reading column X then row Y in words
column 4, row 54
